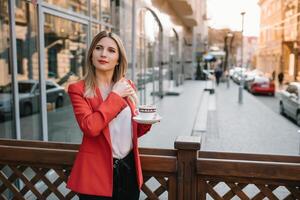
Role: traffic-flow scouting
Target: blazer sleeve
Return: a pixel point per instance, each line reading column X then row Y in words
column 142, row 129
column 92, row 122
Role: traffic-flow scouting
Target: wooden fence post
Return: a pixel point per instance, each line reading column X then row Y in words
column 187, row 147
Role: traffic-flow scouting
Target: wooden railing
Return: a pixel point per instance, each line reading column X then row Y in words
column 247, row 176
column 39, row 170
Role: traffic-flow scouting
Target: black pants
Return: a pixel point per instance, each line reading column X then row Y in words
column 125, row 185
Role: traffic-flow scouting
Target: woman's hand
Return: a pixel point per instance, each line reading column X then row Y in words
column 123, row 88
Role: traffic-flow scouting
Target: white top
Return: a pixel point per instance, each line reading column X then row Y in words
column 120, row 132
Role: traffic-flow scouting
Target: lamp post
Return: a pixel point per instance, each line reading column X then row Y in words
column 242, row 61
column 227, row 50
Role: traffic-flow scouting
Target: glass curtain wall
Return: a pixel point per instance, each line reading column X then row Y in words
column 65, row 49
column 174, row 64
column 6, row 103
column 125, row 27
column 66, row 42
column 147, row 72
column 95, row 4
column 172, row 58
column 28, row 70
column 96, row 28
column 106, row 10
column 80, row 7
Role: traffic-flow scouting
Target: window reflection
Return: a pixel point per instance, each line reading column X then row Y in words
column 73, row 5
column 106, row 11
column 65, row 48
column 6, row 113
column 95, row 4
column 106, row 28
column 147, row 75
column 95, row 29
column 28, row 70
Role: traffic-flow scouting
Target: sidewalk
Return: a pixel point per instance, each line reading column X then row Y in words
column 178, row 116
column 251, row 127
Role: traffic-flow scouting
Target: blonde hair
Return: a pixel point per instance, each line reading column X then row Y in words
column 119, row 71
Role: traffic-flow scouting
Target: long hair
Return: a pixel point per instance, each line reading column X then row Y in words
column 119, row 71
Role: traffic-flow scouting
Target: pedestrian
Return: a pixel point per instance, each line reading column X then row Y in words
column 218, row 73
column 280, row 78
column 273, row 75
column 107, row 165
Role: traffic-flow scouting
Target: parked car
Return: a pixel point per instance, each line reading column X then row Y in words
column 289, row 102
column 238, row 74
column 261, row 85
column 29, row 97
column 249, row 77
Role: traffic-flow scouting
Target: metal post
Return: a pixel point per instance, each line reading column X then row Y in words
column 295, row 51
column 41, row 52
column 227, row 52
column 133, row 36
column 14, row 67
column 242, row 59
column 229, row 59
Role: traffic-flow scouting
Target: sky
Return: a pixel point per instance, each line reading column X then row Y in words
column 227, row 14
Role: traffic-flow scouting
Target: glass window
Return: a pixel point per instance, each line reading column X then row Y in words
column 65, row 49
column 95, row 4
column 147, row 72
column 6, row 111
column 28, row 70
column 73, row 5
column 95, row 29
column 50, row 86
column 106, row 11
column 25, row 87
column 106, row 28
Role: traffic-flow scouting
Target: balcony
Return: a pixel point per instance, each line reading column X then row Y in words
column 182, row 10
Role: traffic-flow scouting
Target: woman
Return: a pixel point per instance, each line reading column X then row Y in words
column 107, row 165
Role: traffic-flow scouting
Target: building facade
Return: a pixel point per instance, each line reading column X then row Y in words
column 43, row 45
column 217, row 38
column 291, row 40
column 249, row 52
column 279, row 38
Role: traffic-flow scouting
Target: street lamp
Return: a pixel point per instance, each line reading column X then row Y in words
column 242, row 59
column 227, row 50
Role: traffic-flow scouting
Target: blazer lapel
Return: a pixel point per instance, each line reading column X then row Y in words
column 95, row 103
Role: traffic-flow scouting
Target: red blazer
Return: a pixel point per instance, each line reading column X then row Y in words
column 92, row 172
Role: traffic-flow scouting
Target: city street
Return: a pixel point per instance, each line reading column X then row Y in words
column 251, row 127
column 179, row 55
column 178, row 116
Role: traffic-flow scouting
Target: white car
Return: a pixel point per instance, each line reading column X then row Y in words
column 29, row 97
column 289, row 101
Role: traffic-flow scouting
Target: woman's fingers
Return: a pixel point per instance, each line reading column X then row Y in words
column 123, row 88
